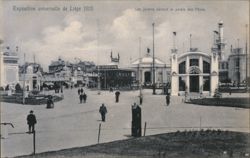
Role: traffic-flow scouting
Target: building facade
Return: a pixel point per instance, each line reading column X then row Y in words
column 144, row 70
column 9, row 68
column 237, row 62
column 32, row 75
column 193, row 71
column 113, row 76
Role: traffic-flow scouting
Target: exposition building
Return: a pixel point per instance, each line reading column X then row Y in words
column 193, row 71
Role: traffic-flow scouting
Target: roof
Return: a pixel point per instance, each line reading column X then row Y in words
column 198, row 53
column 148, row 60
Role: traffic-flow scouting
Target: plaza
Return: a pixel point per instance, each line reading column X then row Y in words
column 71, row 124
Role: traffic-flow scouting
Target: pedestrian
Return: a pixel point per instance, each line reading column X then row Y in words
column 84, row 97
column 79, row 91
column 81, row 98
column 31, row 121
column 117, row 94
column 50, row 103
column 103, row 111
column 140, row 99
column 168, row 99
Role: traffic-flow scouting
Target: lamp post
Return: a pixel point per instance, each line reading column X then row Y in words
column 246, row 58
column 140, row 72
column 153, row 24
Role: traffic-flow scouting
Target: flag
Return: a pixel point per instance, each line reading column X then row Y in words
column 148, row 50
column 174, row 33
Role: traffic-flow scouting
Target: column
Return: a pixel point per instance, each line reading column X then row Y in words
column 200, row 83
column 187, row 83
column 214, row 74
column 174, row 75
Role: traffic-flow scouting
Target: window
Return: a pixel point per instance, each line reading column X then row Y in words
column 237, row 62
column 222, row 66
column 182, row 67
column 206, row 67
column 194, row 62
column 206, row 83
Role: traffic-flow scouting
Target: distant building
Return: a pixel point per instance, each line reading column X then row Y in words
column 32, row 74
column 59, row 65
column 8, row 68
column 113, row 76
column 79, row 73
column 237, row 65
column 145, row 65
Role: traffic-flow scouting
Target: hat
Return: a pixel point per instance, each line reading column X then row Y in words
column 31, row 111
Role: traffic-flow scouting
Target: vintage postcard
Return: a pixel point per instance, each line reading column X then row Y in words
column 124, row 78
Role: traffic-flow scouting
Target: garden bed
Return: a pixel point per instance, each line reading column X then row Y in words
column 31, row 100
column 227, row 102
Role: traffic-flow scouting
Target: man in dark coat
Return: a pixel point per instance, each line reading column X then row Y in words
column 117, row 94
column 50, row 103
column 168, row 99
column 84, row 97
column 81, row 97
column 103, row 111
column 31, row 121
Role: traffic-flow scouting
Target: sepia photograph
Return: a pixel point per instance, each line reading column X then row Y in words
column 124, row 79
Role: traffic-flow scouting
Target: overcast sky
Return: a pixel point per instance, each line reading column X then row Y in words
column 117, row 26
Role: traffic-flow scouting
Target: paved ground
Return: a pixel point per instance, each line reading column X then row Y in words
column 71, row 124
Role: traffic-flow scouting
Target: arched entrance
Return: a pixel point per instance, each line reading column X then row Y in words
column 147, row 76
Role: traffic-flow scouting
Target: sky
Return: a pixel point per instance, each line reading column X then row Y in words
column 90, row 30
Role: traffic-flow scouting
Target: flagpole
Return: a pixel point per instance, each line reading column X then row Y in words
column 190, row 42
column 24, row 79
column 153, row 24
column 140, row 73
column 98, row 67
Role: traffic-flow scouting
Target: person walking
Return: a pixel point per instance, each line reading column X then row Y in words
column 50, row 103
column 31, row 121
column 81, row 90
column 168, row 99
column 81, row 98
column 84, row 97
column 117, row 94
column 140, row 99
column 103, row 111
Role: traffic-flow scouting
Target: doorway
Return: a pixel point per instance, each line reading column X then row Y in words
column 194, row 83
column 147, row 75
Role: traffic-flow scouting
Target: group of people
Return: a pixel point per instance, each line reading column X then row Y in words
column 82, row 95
column 31, row 118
